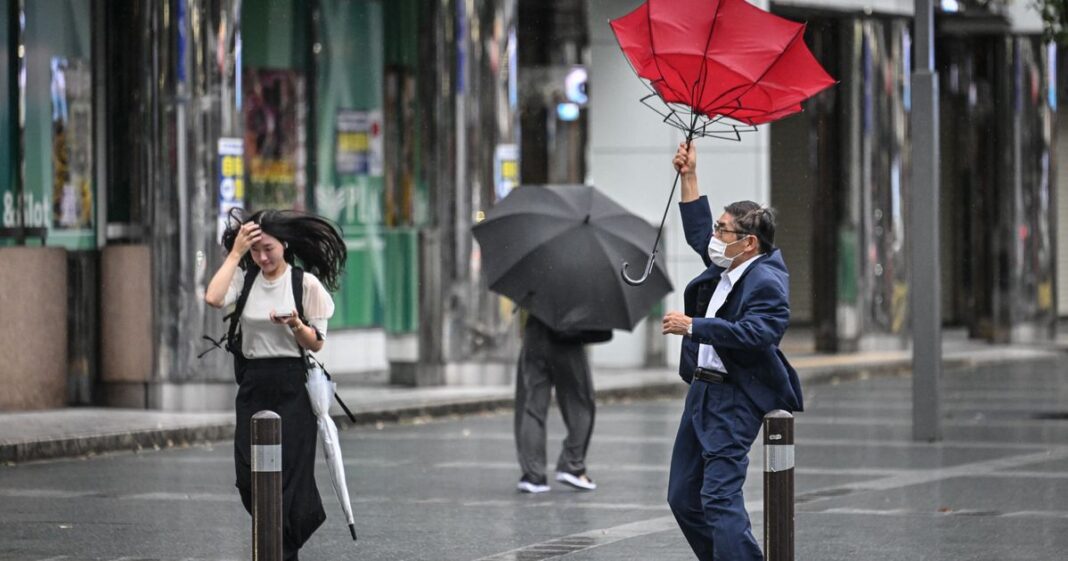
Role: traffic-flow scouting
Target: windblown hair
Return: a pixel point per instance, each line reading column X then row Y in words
column 756, row 220
column 313, row 240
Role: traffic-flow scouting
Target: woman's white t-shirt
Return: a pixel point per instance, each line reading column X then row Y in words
column 261, row 338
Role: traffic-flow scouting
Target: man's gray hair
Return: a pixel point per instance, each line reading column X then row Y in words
column 751, row 218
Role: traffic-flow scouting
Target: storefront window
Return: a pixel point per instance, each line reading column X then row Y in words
column 349, row 155
column 58, row 192
column 274, row 104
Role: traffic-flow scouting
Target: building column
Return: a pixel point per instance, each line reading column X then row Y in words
column 1024, row 307
column 465, row 90
column 173, row 148
column 871, row 264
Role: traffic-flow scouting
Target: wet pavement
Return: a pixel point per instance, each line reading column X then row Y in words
column 995, row 489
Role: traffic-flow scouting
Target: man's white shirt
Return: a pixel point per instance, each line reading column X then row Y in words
column 706, row 355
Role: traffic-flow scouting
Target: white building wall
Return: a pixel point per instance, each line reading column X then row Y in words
column 893, row 7
column 630, row 152
column 1022, row 16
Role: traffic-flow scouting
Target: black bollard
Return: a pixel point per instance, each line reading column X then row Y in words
column 779, row 486
column 266, row 486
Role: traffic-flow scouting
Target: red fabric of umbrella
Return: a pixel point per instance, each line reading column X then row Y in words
column 721, row 58
column 717, row 68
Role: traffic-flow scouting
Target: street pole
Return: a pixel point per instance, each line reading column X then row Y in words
column 923, row 239
column 266, row 486
column 779, row 486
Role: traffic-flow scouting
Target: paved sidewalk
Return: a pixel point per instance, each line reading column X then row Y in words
column 72, row 432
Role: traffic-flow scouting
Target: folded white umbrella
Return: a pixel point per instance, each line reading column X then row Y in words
column 321, row 391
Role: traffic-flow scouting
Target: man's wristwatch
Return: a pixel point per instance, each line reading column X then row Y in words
column 689, row 329
column 297, row 327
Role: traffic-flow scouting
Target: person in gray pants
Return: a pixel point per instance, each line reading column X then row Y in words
column 557, row 359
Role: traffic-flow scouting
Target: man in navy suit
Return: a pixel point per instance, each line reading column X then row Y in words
column 736, row 312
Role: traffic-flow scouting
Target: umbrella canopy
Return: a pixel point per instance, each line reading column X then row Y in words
column 555, row 251
column 320, row 391
column 721, row 58
column 716, row 68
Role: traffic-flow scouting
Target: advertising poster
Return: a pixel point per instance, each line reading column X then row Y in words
column 357, row 207
column 72, row 134
column 231, row 178
column 274, row 143
column 505, row 169
column 358, row 143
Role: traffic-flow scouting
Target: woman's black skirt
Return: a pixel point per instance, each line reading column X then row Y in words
column 277, row 384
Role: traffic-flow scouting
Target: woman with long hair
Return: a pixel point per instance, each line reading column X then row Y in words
column 269, row 364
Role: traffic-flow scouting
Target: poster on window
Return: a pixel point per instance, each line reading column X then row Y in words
column 273, row 113
column 359, row 143
column 72, row 135
column 231, row 179
column 355, row 196
column 505, row 169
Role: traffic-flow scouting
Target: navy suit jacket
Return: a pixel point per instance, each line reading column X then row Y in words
column 748, row 326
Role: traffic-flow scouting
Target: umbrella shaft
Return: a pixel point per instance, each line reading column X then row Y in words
column 674, row 185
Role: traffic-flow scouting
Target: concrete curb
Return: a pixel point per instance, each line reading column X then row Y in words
column 137, row 440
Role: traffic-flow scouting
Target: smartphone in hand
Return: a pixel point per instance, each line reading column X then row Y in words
column 281, row 318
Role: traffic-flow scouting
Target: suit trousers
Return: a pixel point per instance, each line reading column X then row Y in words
column 708, row 468
column 543, row 365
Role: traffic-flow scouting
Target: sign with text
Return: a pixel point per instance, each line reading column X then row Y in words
column 231, row 178
column 359, row 143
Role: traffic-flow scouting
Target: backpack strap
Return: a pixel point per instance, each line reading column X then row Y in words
column 298, row 298
column 298, row 291
column 228, row 342
column 234, row 317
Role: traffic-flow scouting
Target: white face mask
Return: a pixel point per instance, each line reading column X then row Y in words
column 717, row 252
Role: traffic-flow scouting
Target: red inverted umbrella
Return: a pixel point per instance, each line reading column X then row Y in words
column 717, row 68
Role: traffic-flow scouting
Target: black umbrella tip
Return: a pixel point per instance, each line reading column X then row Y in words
column 352, row 530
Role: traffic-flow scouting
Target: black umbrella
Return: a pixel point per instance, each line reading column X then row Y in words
column 555, row 250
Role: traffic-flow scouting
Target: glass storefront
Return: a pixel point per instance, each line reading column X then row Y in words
column 313, row 117
column 57, row 191
column 349, row 149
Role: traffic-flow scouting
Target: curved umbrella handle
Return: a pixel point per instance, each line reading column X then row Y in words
column 645, row 276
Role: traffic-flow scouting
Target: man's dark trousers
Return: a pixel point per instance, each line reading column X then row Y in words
column 544, row 363
column 708, row 466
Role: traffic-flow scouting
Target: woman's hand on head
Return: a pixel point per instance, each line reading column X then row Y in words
column 247, row 236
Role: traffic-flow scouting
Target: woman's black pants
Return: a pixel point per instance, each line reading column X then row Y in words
column 277, row 384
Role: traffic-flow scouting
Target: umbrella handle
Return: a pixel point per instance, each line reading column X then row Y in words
column 645, row 276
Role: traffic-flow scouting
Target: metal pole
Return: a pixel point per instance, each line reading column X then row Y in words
column 923, row 239
column 266, row 486
column 779, row 486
